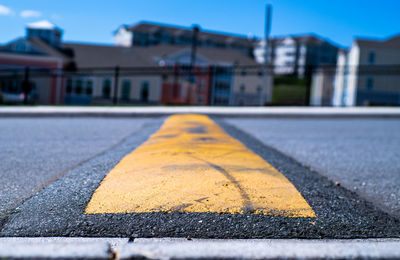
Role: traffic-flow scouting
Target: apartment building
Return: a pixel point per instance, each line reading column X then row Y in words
column 297, row 55
column 156, row 74
column 368, row 74
column 151, row 34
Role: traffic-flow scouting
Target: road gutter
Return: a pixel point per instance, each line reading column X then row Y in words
column 264, row 112
column 184, row 248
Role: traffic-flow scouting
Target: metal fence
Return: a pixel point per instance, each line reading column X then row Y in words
column 203, row 85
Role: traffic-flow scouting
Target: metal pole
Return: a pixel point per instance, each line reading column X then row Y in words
column 116, row 76
column 193, row 52
column 25, row 85
column 268, row 15
column 308, row 75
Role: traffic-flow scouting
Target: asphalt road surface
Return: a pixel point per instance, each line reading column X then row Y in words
column 35, row 152
column 50, row 169
column 362, row 154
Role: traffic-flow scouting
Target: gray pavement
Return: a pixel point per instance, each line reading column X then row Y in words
column 57, row 163
column 35, row 152
column 58, row 209
column 362, row 154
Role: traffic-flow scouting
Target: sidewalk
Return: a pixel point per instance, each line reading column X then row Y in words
column 85, row 111
column 181, row 248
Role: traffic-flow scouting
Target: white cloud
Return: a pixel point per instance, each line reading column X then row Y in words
column 4, row 10
column 30, row 14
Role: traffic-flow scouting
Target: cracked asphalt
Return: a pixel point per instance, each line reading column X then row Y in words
column 58, row 208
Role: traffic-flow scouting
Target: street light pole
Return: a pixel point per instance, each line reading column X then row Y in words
column 116, row 81
column 193, row 51
column 268, row 14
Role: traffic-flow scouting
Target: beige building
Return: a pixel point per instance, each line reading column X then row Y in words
column 95, row 82
column 322, row 86
column 369, row 73
column 83, row 74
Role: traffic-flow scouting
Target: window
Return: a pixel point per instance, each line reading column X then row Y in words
column 202, row 84
column 78, row 87
column 20, row 47
column 201, row 100
column 89, row 87
column 259, row 88
column 244, row 72
column 222, row 86
column 144, row 92
column 13, row 87
column 242, row 88
column 370, row 83
column 126, row 89
column 371, row 57
column 106, row 88
column 69, row 86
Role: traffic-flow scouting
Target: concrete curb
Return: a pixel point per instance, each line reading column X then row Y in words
column 267, row 112
column 181, row 248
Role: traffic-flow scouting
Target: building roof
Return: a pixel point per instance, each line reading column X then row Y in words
column 48, row 49
column 213, row 55
column 152, row 27
column 37, row 47
column 309, row 39
column 44, row 25
column 392, row 42
column 106, row 56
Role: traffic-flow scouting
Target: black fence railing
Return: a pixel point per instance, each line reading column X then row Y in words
column 204, row 85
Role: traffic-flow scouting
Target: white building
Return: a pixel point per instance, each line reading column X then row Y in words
column 294, row 55
column 147, row 33
column 369, row 73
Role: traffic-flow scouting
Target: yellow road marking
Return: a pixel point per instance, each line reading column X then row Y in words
column 192, row 165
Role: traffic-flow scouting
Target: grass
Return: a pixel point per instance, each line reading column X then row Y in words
column 289, row 91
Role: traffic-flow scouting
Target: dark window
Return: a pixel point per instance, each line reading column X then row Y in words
column 370, row 83
column 106, row 88
column 201, row 100
column 89, row 87
column 371, row 57
column 144, row 92
column 222, row 86
column 126, row 89
column 259, row 89
column 242, row 88
column 13, row 88
column 69, row 86
column 202, row 84
column 78, row 87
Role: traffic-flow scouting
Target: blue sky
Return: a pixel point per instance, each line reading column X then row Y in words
column 94, row 21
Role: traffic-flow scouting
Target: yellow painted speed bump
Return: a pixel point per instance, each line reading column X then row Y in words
column 192, row 165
